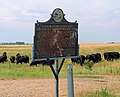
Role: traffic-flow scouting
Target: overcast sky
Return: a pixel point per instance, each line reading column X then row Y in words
column 99, row 20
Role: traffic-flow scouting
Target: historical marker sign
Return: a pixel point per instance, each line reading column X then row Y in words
column 56, row 38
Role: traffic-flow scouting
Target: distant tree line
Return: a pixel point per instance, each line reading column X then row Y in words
column 12, row 43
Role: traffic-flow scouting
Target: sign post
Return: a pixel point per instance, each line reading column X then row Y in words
column 57, row 80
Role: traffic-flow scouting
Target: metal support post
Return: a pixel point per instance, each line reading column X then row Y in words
column 57, row 80
column 56, row 72
column 70, row 81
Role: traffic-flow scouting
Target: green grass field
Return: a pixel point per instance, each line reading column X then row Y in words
column 10, row 70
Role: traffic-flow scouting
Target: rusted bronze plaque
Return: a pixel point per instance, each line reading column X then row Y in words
column 55, row 38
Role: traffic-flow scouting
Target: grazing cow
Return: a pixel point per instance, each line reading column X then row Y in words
column 5, row 55
column 43, row 62
column 89, row 57
column 18, row 56
column 22, row 59
column 111, row 56
column 92, row 57
column 25, row 59
column 116, row 55
column 107, row 56
column 74, row 60
column 99, row 56
column 12, row 59
column 3, row 58
column 79, row 60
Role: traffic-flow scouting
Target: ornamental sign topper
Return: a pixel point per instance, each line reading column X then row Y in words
column 56, row 37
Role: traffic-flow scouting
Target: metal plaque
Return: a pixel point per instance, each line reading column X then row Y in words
column 56, row 38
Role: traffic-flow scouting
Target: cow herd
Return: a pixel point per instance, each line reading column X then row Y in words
column 95, row 58
column 19, row 59
column 14, row 59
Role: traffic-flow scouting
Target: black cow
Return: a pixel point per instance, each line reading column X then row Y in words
column 111, row 56
column 3, row 58
column 99, row 56
column 107, row 56
column 18, row 56
column 116, row 55
column 74, row 60
column 43, row 62
column 79, row 60
column 22, row 59
column 94, row 57
column 12, row 59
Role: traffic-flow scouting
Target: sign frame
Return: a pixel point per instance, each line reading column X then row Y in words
column 58, row 34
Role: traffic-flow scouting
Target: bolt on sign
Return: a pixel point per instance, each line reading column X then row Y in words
column 56, row 37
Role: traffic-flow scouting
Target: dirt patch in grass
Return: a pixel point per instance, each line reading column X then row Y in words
column 46, row 87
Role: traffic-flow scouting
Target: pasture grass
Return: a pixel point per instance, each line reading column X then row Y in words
column 104, row 68
column 100, row 48
column 103, row 92
column 13, row 71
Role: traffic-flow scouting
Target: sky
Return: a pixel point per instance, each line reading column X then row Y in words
column 98, row 20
